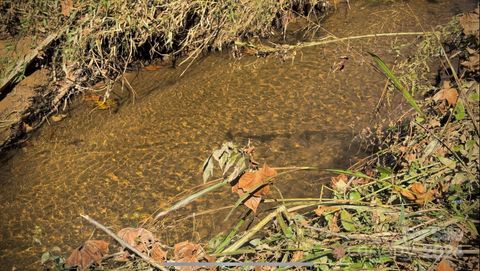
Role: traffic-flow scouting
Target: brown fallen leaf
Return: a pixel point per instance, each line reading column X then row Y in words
column 338, row 252
column 333, row 224
column 188, row 252
column 469, row 21
column 144, row 241
column 139, row 238
column 67, row 6
column 418, row 193
column 473, row 61
column 297, row 256
column 249, row 181
column 92, row 251
column 323, row 209
column 152, row 67
column 447, row 93
column 157, row 253
column 406, row 193
column 443, row 265
column 339, row 183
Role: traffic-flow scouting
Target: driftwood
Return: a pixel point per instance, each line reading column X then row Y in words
column 123, row 243
column 19, row 68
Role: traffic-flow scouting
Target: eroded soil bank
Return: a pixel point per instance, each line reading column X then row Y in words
column 123, row 164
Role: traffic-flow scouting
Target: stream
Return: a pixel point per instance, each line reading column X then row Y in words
column 120, row 166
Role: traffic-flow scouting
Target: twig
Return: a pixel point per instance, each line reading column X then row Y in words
column 323, row 42
column 123, row 243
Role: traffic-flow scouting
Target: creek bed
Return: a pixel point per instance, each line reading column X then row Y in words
column 120, row 167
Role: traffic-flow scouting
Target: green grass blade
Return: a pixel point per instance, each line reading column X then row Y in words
column 190, row 198
column 396, row 82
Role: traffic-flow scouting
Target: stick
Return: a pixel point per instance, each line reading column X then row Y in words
column 121, row 242
column 323, row 42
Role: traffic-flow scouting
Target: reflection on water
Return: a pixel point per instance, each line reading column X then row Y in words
column 120, row 167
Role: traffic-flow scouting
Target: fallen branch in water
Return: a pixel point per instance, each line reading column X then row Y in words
column 265, row 49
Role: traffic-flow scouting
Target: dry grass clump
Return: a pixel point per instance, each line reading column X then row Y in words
column 101, row 38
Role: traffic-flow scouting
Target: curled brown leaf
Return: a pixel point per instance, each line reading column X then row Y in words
column 447, row 93
column 251, row 180
column 92, row 251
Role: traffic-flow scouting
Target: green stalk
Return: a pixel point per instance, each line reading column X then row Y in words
column 396, row 82
column 189, row 199
column 229, row 237
column 254, row 230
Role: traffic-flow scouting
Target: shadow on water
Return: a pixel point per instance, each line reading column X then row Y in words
column 119, row 167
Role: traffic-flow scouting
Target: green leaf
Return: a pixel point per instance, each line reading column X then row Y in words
column 459, row 111
column 347, row 220
column 45, row 257
column 354, row 195
column 474, row 97
column 472, row 228
column 396, row 82
column 451, row 164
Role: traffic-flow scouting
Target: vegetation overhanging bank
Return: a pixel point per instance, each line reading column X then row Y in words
column 84, row 41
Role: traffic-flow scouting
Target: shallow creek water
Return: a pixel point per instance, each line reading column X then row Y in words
column 119, row 167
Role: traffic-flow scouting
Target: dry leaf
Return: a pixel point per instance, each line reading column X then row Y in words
column 333, row 225
column 443, row 265
column 252, row 203
column 58, row 117
column 92, row 251
column 418, row 188
column 339, row 183
column 447, row 93
column 297, row 256
column 157, row 253
column 406, row 193
column 67, row 6
column 250, row 180
column 139, row 238
column 434, row 123
column 418, row 193
column 188, row 252
column 473, row 62
column 152, row 67
column 338, row 252
column 469, row 21
column 322, row 209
